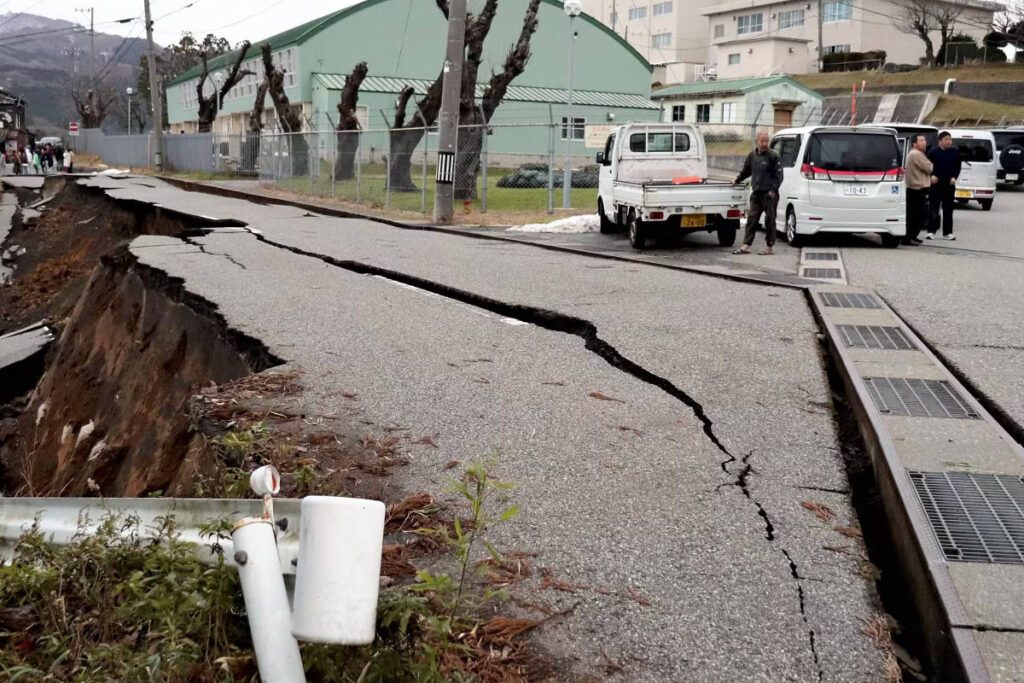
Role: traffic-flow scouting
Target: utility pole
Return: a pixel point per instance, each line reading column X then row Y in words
column 821, row 45
column 92, row 42
column 156, row 103
column 451, row 93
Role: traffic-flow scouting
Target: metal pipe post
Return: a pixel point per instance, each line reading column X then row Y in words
column 483, row 161
column 266, row 602
column 359, row 166
column 570, row 129
column 387, row 180
column 423, row 183
column 551, row 164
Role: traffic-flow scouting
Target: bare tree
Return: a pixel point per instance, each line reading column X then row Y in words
column 922, row 17
column 93, row 101
column 251, row 149
column 348, row 123
column 406, row 136
column 208, row 103
column 289, row 120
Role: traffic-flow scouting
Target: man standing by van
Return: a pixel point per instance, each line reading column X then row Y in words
column 919, row 180
column 945, row 170
column 764, row 168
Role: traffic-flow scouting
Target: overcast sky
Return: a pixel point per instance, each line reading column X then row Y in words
column 234, row 19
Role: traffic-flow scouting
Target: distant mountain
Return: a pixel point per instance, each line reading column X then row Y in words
column 38, row 53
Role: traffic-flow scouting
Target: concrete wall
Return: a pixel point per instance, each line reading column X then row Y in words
column 687, row 26
column 762, row 58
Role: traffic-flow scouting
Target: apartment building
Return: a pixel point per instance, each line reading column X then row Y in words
column 671, row 34
column 753, row 38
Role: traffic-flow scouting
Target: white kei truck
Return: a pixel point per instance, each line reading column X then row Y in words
column 654, row 179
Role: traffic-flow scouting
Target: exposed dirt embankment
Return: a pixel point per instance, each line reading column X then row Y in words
column 108, row 417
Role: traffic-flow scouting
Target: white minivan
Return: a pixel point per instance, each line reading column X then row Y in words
column 979, row 171
column 841, row 179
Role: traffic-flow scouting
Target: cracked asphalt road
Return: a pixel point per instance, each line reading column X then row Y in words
column 635, row 496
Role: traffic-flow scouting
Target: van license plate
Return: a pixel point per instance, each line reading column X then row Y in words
column 1011, row 176
column 697, row 220
column 963, row 194
column 855, row 190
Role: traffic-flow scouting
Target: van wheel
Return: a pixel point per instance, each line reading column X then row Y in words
column 607, row 226
column 792, row 237
column 727, row 233
column 891, row 241
column 637, row 232
column 986, row 204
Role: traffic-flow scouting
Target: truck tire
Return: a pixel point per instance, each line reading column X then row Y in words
column 637, row 232
column 795, row 239
column 607, row 226
column 727, row 233
column 986, row 204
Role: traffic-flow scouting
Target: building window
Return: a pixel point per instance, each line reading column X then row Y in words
column 679, row 112
column 837, row 10
column 703, row 113
column 750, row 23
column 719, row 30
column 661, row 40
column 728, row 112
column 661, row 8
column 637, row 13
column 837, row 49
column 578, row 128
column 791, row 19
column 734, row 59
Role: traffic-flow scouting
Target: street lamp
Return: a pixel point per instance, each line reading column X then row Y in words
column 572, row 8
column 218, row 78
column 130, row 93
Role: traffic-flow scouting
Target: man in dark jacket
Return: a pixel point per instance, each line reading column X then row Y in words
column 764, row 168
column 945, row 169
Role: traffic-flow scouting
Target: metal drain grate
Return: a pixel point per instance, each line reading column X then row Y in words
column 918, row 398
column 823, row 273
column 975, row 517
column 849, row 300
column 821, row 256
column 874, row 337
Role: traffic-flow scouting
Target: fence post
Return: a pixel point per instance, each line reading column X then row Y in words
column 551, row 160
column 359, row 165
column 387, row 179
column 486, row 180
column 423, row 183
column 334, row 168
column 753, row 126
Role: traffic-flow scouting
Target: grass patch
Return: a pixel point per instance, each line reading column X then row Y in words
column 371, row 191
column 988, row 73
column 969, row 113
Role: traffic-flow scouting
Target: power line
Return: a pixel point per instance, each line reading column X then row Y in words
column 13, row 17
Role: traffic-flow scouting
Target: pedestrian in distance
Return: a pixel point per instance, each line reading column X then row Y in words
column 37, row 162
column 945, row 170
column 919, row 182
column 69, row 161
column 764, row 168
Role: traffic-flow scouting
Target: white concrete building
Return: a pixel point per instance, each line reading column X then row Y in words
column 752, row 38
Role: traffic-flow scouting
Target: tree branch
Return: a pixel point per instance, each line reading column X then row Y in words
column 444, row 7
column 347, row 119
column 515, row 63
column 402, row 104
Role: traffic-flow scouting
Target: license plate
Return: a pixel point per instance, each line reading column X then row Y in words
column 963, row 194
column 855, row 190
column 1012, row 176
column 697, row 220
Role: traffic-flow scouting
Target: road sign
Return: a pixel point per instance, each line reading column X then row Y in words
column 73, row 128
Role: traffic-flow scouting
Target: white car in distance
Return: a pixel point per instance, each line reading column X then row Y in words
column 979, row 170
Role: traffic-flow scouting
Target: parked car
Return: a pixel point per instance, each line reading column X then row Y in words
column 1010, row 155
column 654, row 179
column 841, row 179
column 536, row 175
column 977, row 181
column 905, row 130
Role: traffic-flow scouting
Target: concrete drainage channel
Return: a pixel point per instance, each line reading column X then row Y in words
column 949, row 476
column 950, row 481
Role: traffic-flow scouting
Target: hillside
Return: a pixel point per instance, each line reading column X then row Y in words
column 914, row 80
column 37, row 54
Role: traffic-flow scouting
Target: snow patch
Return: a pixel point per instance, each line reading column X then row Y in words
column 41, row 413
column 84, row 432
column 585, row 223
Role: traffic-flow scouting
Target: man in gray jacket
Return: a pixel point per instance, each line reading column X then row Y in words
column 764, row 167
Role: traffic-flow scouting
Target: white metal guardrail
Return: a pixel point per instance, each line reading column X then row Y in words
column 61, row 519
